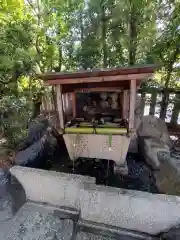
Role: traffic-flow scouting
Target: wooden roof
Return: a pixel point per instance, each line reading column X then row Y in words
column 95, row 75
column 99, row 78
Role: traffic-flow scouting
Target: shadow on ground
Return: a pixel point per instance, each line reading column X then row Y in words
column 139, row 176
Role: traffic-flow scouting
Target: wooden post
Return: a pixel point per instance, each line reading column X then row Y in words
column 66, row 101
column 142, row 103
column 153, row 103
column 54, row 98
column 125, row 104
column 132, row 104
column 60, row 105
column 74, row 104
column 64, row 104
column 164, row 104
column 175, row 112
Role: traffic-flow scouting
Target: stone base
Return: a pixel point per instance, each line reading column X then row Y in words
column 149, row 148
column 131, row 210
column 168, row 177
column 97, row 146
column 121, row 169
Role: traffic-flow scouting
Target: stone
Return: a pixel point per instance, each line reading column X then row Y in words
column 90, row 236
column 6, row 201
column 168, row 176
column 94, row 236
column 130, row 210
column 153, row 138
column 33, row 155
column 172, row 234
column 149, row 148
column 38, row 222
column 52, row 187
column 153, row 127
column 39, row 146
column 6, row 208
column 133, row 146
column 36, row 131
column 83, row 145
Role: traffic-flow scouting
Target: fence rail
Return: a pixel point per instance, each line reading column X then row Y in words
column 151, row 102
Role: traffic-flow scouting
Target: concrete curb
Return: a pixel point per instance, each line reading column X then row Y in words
column 133, row 210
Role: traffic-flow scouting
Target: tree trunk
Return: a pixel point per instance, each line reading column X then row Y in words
column 164, row 104
column 153, row 103
column 176, row 110
column 165, row 98
column 58, row 32
column 14, row 80
column 81, row 27
column 36, row 110
column 169, row 68
column 132, row 37
column 104, row 32
column 60, row 58
column 37, row 101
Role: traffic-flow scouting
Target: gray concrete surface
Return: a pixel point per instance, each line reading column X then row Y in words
column 51, row 187
column 132, row 210
column 90, row 236
column 35, row 222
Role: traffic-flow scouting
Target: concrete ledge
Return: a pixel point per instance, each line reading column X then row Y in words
column 133, row 210
column 149, row 213
column 51, row 187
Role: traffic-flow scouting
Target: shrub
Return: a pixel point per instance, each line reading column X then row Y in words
column 14, row 115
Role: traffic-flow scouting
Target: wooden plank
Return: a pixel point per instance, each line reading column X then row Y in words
column 69, row 103
column 74, row 104
column 54, row 98
column 69, row 88
column 60, row 105
column 100, row 72
column 100, row 89
column 132, row 104
column 64, row 103
column 142, row 103
column 125, row 103
column 129, row 77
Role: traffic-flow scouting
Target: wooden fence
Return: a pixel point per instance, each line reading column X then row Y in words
column 150, row 104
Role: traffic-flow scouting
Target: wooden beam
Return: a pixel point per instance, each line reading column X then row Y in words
column 129, row 77
column 108, row 85
column 74, row 104
column 63, row 101
column 125, row 105
column 132, row 104
column 60, row 105
column 100, row 89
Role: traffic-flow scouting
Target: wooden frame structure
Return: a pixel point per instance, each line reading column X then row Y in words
column 125, row 80
column 98, row 140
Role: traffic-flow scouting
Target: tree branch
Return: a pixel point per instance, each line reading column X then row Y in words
column 31, row 5
column 1, row 81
